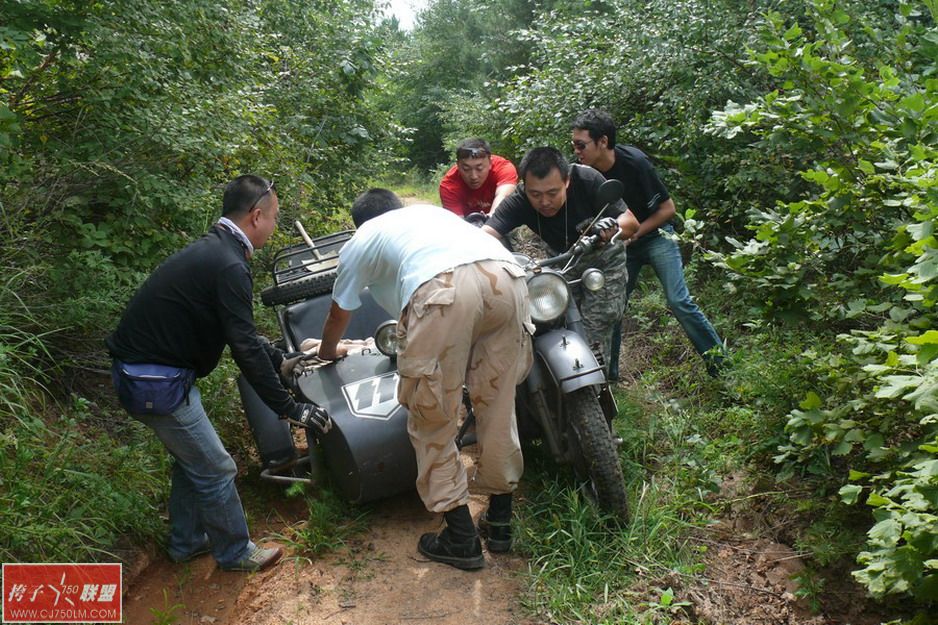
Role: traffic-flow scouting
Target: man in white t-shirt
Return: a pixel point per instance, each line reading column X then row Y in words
column 462, row 303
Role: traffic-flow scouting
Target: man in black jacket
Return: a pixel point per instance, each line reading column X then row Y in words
column 196, row 302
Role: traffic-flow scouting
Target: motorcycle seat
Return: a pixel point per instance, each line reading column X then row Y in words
column 304, row 319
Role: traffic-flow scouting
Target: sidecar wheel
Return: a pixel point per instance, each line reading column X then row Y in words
column 597, row 459
column 298, row 290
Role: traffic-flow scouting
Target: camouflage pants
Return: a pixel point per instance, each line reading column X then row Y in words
column 466, row 326
column 603, row 309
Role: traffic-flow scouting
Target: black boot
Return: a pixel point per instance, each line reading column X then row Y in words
column 495, row 524
column 458, row 544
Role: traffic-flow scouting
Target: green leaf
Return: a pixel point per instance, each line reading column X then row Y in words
column 811, row 401
column 886, row 533
column 914, row 102
column 896, row 385
column 876, row 500
column 850, row 493
column 842, row 448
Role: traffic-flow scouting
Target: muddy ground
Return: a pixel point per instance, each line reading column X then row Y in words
column 381, row 579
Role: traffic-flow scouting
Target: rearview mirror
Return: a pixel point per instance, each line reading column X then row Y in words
column 609, row 192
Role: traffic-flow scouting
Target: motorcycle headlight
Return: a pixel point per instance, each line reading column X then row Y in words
column 549, row 297
column 386, row 338
column 593, row 279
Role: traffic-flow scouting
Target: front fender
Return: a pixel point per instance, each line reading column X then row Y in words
column 569, row 360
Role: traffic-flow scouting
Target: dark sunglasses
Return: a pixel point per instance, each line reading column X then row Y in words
column 580, row 145
column 270, row 187
column 471, row 153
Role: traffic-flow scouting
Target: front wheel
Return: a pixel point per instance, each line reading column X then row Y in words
column 596, row 458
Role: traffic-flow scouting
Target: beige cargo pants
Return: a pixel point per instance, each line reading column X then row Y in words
column 466, row 326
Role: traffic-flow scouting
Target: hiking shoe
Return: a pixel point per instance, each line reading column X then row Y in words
column 201, row 550
column 497, row 534
column 466, row 555
column 257, row 560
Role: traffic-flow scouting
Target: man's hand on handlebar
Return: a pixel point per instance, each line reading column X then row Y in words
column 606, row 228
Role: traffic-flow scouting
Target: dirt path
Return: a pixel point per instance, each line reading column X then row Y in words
column 381, row 580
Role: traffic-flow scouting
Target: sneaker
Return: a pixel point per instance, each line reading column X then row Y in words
column 497, row 534
column 258, row 560
column 201, row 550
column 443, row 548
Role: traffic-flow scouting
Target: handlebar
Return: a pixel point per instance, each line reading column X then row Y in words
column 582, row 246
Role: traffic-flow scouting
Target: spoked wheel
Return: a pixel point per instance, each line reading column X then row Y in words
column 597, row 459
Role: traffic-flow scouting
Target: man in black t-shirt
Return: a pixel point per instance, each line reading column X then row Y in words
column 594, row 142
column 553, row 199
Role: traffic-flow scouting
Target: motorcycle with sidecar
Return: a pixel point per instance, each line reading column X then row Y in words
column 564, row 401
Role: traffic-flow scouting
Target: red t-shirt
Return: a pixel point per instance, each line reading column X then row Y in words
column 457, row 197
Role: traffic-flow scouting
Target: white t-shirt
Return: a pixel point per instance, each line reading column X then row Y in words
column 394, row 253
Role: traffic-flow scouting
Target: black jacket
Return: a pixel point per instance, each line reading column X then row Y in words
column 193, row 304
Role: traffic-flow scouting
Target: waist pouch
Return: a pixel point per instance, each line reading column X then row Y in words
column 150, row 389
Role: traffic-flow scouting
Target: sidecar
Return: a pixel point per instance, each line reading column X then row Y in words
column 367, row 452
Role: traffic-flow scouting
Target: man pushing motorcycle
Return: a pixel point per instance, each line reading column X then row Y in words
column 554, row 200
column 462, row 304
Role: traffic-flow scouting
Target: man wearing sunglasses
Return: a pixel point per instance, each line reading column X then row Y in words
column 196, row 302
column 594, row 142
column 479, row 180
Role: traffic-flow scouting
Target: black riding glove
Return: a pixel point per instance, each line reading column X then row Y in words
column 606, row 223
column 310, row 415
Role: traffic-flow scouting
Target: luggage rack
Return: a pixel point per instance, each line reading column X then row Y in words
column 302, row 260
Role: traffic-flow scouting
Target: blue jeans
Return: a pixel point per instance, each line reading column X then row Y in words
column 203, row 501
column 664, row 256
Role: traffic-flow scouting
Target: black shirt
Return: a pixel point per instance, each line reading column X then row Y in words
column 644, row 191
column 559, row 231
column 193, row 304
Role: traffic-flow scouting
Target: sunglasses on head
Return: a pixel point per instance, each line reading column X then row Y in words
column 471, row 153
column 270, row 186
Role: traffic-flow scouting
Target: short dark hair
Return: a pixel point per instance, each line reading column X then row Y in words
column 540, row 161
column 372, row 203
column 473, row 148
column 598, row 123
column 242, row 193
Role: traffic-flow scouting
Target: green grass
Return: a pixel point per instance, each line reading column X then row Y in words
column 330, row 525
column 70, row 491
column 76, row 477
column 585, row 567
column 684, row 434
column 425, row 188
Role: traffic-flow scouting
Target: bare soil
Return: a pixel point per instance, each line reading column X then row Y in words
column 379, row 579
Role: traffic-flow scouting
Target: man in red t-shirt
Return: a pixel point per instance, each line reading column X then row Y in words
column 478, row 181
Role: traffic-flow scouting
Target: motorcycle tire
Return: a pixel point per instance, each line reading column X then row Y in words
column 298, row 290
column 597, row 458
